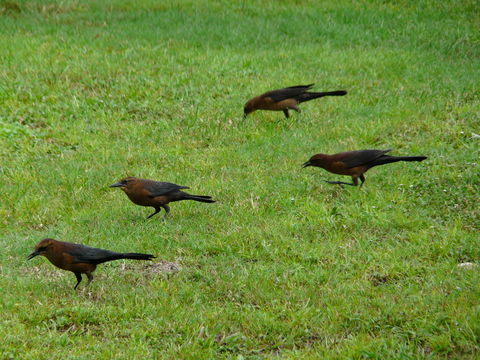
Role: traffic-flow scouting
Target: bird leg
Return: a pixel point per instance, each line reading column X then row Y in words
column 363, row 179
column 285, row 111
column 167, row 210
column 157, row 210
column 79, row 279
column 296, row 109
column 89, row 276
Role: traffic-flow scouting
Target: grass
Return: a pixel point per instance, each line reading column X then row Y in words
column 283, row 265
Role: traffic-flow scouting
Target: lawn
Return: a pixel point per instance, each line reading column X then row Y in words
column 283, row 266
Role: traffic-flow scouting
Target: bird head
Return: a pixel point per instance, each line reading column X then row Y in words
column 41, row 248
column 248, row 108
column 315, row 160
column 125, row 183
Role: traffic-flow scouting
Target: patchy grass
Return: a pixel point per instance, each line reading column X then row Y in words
column 283, row 265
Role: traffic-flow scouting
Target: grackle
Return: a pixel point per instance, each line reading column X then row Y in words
column 355, row 163
column 285, row 99
column 79, row 259
column 156, row 194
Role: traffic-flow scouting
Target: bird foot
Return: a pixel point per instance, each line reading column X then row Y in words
column 339, row 183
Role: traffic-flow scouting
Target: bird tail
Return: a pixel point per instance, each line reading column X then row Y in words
column 137, row 256
column 201, row 198
column 117, row 256
column 314, row 95
column 386, row 159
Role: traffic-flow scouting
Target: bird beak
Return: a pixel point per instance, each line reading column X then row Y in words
column 33, row 254
column 117, row 184
column 305, row 164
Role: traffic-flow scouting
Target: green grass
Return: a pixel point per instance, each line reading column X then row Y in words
column 283, row 265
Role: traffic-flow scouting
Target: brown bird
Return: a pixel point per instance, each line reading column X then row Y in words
column 355, row 163
column 79, row 259
column 156, row 194
column 285, row 99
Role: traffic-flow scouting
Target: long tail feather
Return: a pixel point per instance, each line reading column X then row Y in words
column 200, row 198
column 137, row 256
column 314, row 95
column 118, row 256
column 386, row 159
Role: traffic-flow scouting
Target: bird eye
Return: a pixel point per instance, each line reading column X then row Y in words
column 43, row 248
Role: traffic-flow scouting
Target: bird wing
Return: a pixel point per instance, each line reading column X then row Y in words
column 287, row 93
column 86, row 254
column 360, row 157
column 157, row 188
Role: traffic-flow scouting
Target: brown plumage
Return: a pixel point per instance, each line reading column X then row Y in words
column 355, row 163
column 286, row 99
column 79, row 259
column 156, row 194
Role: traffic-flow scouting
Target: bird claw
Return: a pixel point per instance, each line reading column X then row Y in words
column 333, row 182
column 341, row 183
